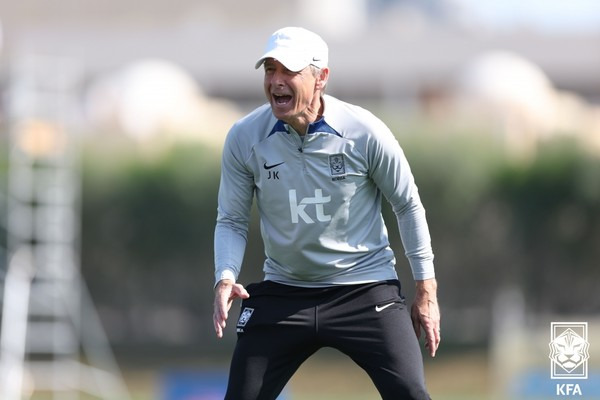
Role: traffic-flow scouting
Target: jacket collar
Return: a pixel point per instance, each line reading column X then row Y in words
column 319, row 126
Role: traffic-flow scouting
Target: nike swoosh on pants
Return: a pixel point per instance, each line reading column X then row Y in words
column 381, row 308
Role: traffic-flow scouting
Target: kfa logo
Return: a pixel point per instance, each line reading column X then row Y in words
column 337, row 166
column 569, row 350
column 568, row 389
column 244, row 318
column 298, row 209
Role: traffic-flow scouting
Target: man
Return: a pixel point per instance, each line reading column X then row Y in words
column 318, row 168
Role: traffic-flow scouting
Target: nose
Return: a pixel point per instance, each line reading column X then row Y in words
column 277, row 79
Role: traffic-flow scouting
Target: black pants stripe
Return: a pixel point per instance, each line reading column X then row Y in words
column 281, row 326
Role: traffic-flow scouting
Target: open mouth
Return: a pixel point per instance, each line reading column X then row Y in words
column 282, row 100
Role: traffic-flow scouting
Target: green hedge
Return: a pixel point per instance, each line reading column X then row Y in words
column 148, row 223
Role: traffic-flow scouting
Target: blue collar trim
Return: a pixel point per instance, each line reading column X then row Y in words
column 318, row 126
column 279, row 127
column 322, row 127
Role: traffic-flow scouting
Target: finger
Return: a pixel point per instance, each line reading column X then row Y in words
column 219, row 317
column 220, row 312
column 240, row 291
column 438, row 338
column 223, row 301
column 433, row 338
column 431, row 345
column 221, row 309
column 219, row 326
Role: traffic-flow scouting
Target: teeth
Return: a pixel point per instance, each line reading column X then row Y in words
column 282, row 99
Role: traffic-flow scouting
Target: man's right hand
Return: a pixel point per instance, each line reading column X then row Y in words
column 225, row 292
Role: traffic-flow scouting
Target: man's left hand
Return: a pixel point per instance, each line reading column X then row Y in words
column 425, row 313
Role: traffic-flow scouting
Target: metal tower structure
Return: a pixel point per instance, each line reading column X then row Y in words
column 51, row 339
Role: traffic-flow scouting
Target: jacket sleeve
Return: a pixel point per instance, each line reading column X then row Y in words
column 389, row 169
column 236, row 191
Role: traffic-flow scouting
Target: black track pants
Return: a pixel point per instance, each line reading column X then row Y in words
column 281, row 326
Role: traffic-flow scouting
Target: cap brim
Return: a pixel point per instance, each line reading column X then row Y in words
column 290, row 61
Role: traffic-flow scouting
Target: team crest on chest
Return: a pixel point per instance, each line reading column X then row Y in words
column 337, row 166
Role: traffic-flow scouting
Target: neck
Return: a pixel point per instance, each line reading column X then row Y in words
column 313, row 112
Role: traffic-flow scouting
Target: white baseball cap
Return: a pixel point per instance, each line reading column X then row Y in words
column 296, row 48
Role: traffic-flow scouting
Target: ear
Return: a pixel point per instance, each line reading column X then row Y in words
column 322, row 78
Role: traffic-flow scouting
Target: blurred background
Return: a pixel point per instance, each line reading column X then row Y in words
column 112, row 119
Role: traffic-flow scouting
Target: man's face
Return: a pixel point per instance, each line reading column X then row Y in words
column 290, row 93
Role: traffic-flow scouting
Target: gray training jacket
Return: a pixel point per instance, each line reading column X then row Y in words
column 319, row 199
